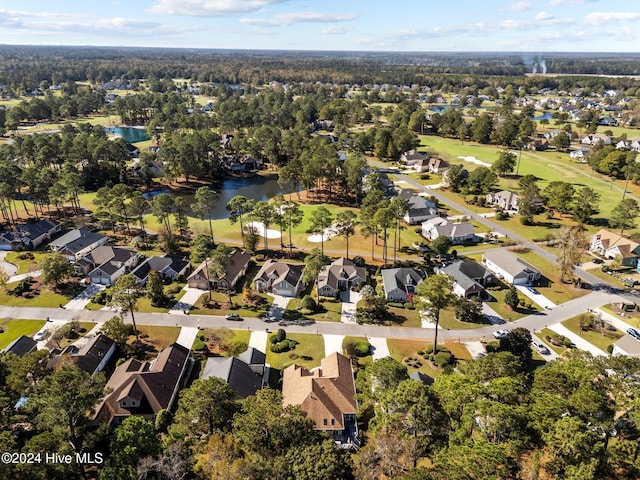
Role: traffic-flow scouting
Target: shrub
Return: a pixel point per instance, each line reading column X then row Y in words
column 442, row 358
column 285, row 345
column 173, row 289
column 362, row 349
column 308, row 303
column 500, row 215
column 409, row 306
column 610, row 348
column 198, row 344
column 429, row 349
column 273, row 339
column 281, row 335
column 275, row 347
column 358, row 261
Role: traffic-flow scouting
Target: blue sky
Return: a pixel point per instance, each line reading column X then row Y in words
column 413, row 25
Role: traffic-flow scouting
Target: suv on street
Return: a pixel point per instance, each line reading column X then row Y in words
column 233, row 317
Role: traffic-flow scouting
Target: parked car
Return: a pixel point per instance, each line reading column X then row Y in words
column 500, row 333
column 40, row 335
column 233, row 317
column 634, row 333
column 533, row 290
column 541, row 349
column 597, row 261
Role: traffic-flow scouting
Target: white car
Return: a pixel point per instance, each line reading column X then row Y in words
column 40, row 335
column 541, row 349
column 500, row 333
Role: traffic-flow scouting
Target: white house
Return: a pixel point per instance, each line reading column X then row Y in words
column 505, row 200
column 510, row 267
column 458, row 233
column 597, row 138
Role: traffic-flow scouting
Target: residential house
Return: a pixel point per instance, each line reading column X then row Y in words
column 579, row 154
column 168, row 266
column 419, row 209
column 437, row 165
column 458, row 233
column 279, row 278
column 399, row 284
column 608, row 121
column 631, row 144
column 612, row 245
column 510, row 267
column 470, row 278
column 235, row 267
column 597, row 138
column 538, row 145
column 628, row 346
column 144, row 388
column 29, row 235
column 244, row 373
column 91, row 357
column 106, row 263
column 77, row 243
column 342, row 274
column 421, row 165
column 504, row 200
column 411, row 157
column 327, row 395
column 21, row 346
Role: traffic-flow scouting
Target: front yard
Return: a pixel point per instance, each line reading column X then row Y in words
column 600, row 337
column 14, row 328
column 219, row 304
column 327, row 311
column 307, row 353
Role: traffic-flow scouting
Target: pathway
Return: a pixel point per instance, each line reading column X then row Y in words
column 278, row 306
column 540, row 299
column 258, row 340
column 379, row 347
column 476, row 349
column 9, row 268
column 190, row 297
column 84, row 297
column 187, row 336
column 22, row 276
column 579, row 342
column 349, row 300
column 332, row 343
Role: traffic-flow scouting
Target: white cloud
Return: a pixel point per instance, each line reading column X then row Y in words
column 542, row 16
column 285, row 19
column 519, row 6
column 210, row 8
column 603, row 18
column 334, row 30
column 557, row 3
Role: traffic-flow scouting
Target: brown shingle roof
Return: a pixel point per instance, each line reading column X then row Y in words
column 325, row 393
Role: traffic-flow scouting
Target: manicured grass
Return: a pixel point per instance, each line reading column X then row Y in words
column 614, row 278
column 631, row 318
column 362, row 361
column 24, row 265
column 555, row 290
column 13, row 328
column 46, row 298
column 332, row 310
column 243, row 311
column 309, row 345
column 503, row 310
column 400, row 349
column 600, row 339
column 85, row 327
column 546, row 332
column 144, row 303
column 226, row 337
column 159, row 337
column 448, row 321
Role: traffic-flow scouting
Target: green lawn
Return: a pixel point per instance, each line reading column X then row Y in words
column 600, row 339
column 546, row 332
column 46, row 298
column 243, row 311
column 144, row 303
column 159, row 337
column 503, row 310
column 400, row 349
column 223, row 337
column 85, row 327
column 362, row 361
column 13, row 328
column 328, row 311
column 309, row 345
column 448, row 321
column 24, row 265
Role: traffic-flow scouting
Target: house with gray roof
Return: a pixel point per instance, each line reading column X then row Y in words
column 510, row 267
column 419, row 209
column 400, row 283
column 244, row 373
column 168, row 266
column 21, row 346
column 342, row 274
column 77, row 243
column 106, row 263
column 458, row 233
column 279, row 278
column 627, row 345
column 235, row 267
column 470, row 277
column 504, row 200
column 29, row 235
column 92, row 357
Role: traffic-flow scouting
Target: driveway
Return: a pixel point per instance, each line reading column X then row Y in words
column 190, row 297
column 540, row 299
column 349, row 300
column 476, row 349
column 580, row 342
column 332, row 343
column 22, row 276
column 492, row 315
column 613, row 320
column 258, row 340
column 278, row 306
column 84, row 297
column 187, row 336
column 379, row 347
column 551, row 356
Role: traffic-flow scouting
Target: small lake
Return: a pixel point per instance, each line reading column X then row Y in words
column 128, row 134
column 257, row 188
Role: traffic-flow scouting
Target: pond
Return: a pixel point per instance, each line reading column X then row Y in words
column 257, row 188
column 128, row 134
